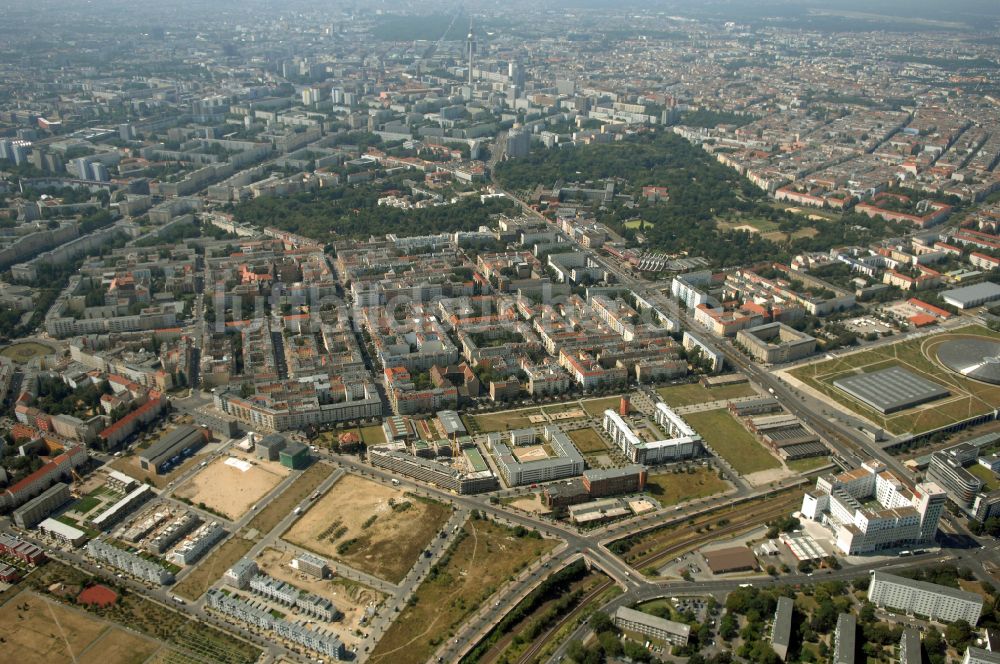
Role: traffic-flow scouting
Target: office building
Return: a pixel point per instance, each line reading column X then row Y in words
column 312, row 565
column 294, row 456
column 775, row 343
column 948, row 469
column 566, row 460
column 920, row 598
column 869, row 509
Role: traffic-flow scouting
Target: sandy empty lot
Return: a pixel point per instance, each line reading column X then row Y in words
column 530, row 453
column 40, row 631
column 230, row 490
column 335, row 527
column 349, row 597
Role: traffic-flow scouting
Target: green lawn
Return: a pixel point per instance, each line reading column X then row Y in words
column 86, row 504
column 989, row 478
column 805, row 465
column 733, row 442
column 673, row 488
column 968, row 397
column 696, row 393
column 373, row 435
column 504, row 420
column 587, row 440
column 595, row 407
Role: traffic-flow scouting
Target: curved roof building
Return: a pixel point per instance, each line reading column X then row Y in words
column 978, row 359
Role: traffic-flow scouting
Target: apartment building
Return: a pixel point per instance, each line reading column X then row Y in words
column 920, row 598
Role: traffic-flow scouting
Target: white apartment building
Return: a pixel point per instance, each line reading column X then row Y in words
column 683, row 443
column 869, row 509
column 920, row 598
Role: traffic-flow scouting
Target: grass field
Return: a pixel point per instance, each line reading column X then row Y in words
column 41, row 631
column 370, row 526
column 696, row 393
column 372, row 435
column 487, row 556
column 734, row 443
column 278, row 509
column 212, row 567
column 989, row 478
column 595, row 407
column 968, row 397
column 190, row 641
column 673, row 488
column 587, row 440
column 504, row 420
column 805, row 465
column 26, row 351
column 118, row 646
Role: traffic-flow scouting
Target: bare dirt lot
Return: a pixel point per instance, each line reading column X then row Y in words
column 372, row 527
column 229, row 489
column 44, row 632
column 348, row 596
column 530, row 453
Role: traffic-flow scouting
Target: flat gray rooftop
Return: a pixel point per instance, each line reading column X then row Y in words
column 890, row 390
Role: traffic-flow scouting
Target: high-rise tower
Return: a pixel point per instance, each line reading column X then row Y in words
column 470, row 45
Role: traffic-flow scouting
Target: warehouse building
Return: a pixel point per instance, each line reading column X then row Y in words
column 674, row 633
column 891, row 390
column 937, row 602
column 730, row 559
column 172, row 448
column 969, row 297
column 294, row 456
column 270, row 446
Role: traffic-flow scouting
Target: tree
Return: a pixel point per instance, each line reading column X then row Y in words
column 958, row 634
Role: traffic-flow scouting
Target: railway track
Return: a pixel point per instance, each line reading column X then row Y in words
column 742, row 519
column 529, row 655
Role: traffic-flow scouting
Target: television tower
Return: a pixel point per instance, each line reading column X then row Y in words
column 470, row 43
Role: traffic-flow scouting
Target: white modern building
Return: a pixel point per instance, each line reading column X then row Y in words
column 920, row 598
column 683, row 443
column 869, row 509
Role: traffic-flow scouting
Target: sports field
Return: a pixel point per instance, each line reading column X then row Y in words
column 968, row 398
